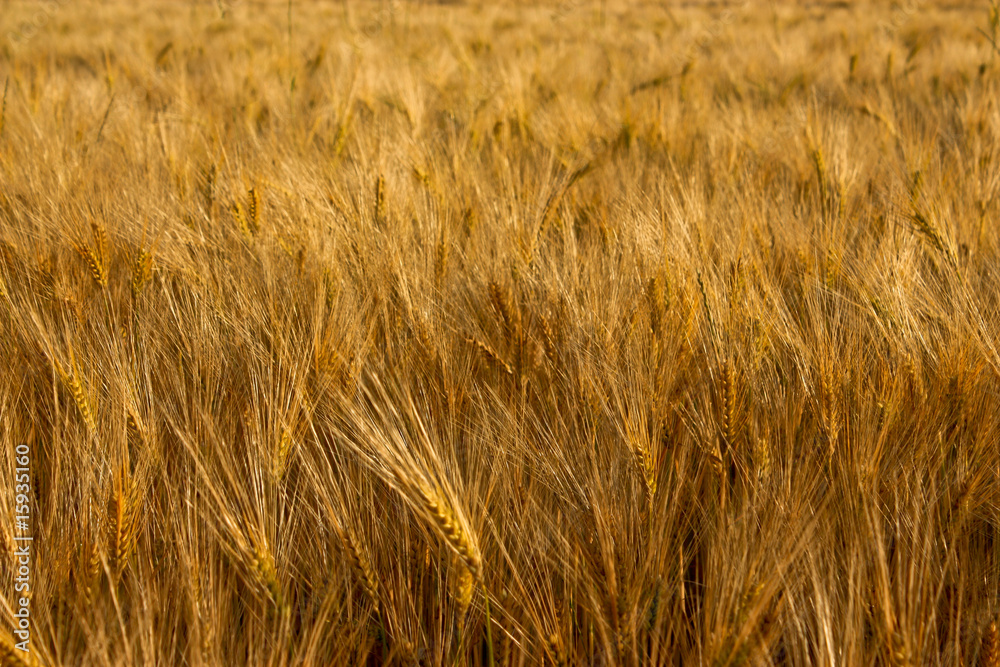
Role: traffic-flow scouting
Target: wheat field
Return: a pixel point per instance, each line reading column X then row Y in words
column 582, row 333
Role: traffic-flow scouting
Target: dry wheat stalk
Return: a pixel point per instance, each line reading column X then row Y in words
column 716, row 462
column 207, row 184
column 737, row 287
column 46, row 279
column 329, row 288
column 100, row 239
column 622, row 635
column 768, row 625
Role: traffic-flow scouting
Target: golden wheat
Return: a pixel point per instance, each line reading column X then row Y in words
column 123, row 518
column 989, row 651
column 633, row 333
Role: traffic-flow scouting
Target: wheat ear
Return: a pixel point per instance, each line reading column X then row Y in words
column 91, row 568
column 3, row 105
column 731, row 405
column 554, row 647
column 75, row 387
column 639, row 446
column 989, row 653
column 379, row 203
column 504, row 309
column 95, row 262
column 441, row 254
column 491, row 355
column 142, row 269
column 241, row 220
column 361, row 566
column 123, row 515
column 548, row 340
column 451, row 528
column 465, row 586
column 253, row 211
column 262, row 563
column 11, row 656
